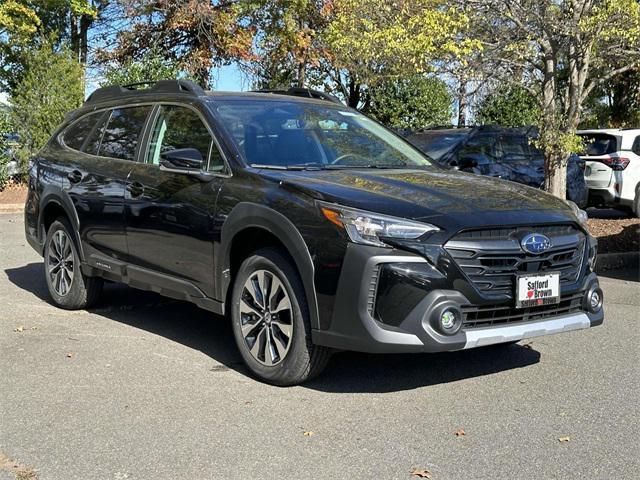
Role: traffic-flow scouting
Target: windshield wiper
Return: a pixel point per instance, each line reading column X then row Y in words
column 314, row 166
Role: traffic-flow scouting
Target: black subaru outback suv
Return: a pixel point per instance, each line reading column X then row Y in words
column 312, row 227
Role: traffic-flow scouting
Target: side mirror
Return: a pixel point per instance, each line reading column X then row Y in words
column 182, row 160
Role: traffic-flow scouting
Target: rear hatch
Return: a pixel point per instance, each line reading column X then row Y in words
column 600, row 154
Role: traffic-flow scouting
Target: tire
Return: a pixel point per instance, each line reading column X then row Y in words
column 68, row 287
column 636, row 203
column 292, row 357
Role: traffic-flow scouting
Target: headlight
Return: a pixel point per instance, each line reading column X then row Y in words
column 368, row 228
column 580, row 214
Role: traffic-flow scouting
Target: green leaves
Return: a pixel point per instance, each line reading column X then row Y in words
column 379, row 39
column 50, row 87
column 152, row 66
column 415, row 102
column 510, row 106
column 17, row 18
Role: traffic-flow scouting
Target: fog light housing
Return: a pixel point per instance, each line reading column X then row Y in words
column 448, row 320
column 593, row 256
column 593, row 299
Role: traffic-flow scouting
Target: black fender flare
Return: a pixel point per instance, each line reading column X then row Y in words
column 53, row 194
column 251, row 215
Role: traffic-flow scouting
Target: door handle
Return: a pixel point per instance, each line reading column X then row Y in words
column 135, row 189
column 75, row 176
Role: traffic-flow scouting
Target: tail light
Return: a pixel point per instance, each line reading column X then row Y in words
column 619, row 163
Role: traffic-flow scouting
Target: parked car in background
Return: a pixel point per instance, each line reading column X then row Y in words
column 7, row 154
column 505, row 153
column 612, row 170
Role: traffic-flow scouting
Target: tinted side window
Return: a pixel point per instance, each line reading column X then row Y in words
column 180, row 127
column 480, row 148
column 92, row 144
column 121, row 136
column 75, row 136
column 636, row 146
column 597, row 144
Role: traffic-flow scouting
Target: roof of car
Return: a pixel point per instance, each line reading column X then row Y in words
column 612, row 131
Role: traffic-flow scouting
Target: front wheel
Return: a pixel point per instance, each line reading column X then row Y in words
column 270, row 319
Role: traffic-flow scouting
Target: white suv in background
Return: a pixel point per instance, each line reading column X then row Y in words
column 612, row 170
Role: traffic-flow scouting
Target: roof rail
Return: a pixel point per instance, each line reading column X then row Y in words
column 114, row 92
column 305, row 92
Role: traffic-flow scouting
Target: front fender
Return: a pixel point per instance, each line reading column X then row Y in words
column 247, row 215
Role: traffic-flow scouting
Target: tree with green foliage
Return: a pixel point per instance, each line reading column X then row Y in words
column 564, row 49
column 151, row 67
column 50, row 87
column 414, row 102
column 198, row 35
column 615, row 104
column 510, row 105
column 350, row 46
column 23, row 23
column 5, row 130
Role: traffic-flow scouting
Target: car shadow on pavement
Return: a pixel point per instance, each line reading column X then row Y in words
column 348, row 372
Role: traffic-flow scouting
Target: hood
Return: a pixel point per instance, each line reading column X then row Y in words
column 448, row 199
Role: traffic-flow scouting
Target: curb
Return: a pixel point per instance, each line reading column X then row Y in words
column 613, row 261
column 11, row 207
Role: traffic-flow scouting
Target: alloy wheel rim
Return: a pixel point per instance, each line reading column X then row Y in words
column 60, row 263
column 266, row 318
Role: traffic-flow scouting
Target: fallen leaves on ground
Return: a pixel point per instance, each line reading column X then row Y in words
column 616, row 234
column 307, row 434
column 460, row 432
column 420, row 472
column 564, row 439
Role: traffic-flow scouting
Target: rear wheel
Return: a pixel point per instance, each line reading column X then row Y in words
column 270, row 319
column 636, row 202
column 68, row 287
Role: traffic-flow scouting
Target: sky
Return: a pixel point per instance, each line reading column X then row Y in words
column 229, row 78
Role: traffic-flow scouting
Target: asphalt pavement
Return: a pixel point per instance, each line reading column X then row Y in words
column 143, row 387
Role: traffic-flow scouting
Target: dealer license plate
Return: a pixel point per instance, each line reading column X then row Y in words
column 536, row 290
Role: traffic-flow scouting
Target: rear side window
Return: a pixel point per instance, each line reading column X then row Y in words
column 597, row 144
column 436, row 144
column 636, row 146
column 92, row 146
column 122, row 133
column 518, row 148
column 479, row 148
column 75, row 136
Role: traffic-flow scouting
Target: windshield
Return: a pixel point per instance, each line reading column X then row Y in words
column 596, row 144
column 436, row 144
column 281, row 134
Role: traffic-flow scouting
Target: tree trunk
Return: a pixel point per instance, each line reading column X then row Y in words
column 556, row 175
column 85, row 24
column 555, row 165
column 301, row 74
column 354, row 94
column 75, row 41
column 462, row 103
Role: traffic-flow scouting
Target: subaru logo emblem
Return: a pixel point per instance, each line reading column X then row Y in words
column 535, row 243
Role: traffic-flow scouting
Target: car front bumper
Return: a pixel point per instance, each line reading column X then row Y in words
column 403, row 318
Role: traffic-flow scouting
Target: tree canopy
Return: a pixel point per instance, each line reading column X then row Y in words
column 415, row 102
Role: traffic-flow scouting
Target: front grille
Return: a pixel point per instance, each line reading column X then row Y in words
column 492, row 258
column 492, row 315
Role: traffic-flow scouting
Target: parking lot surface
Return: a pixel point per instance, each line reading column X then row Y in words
column 143, row 387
